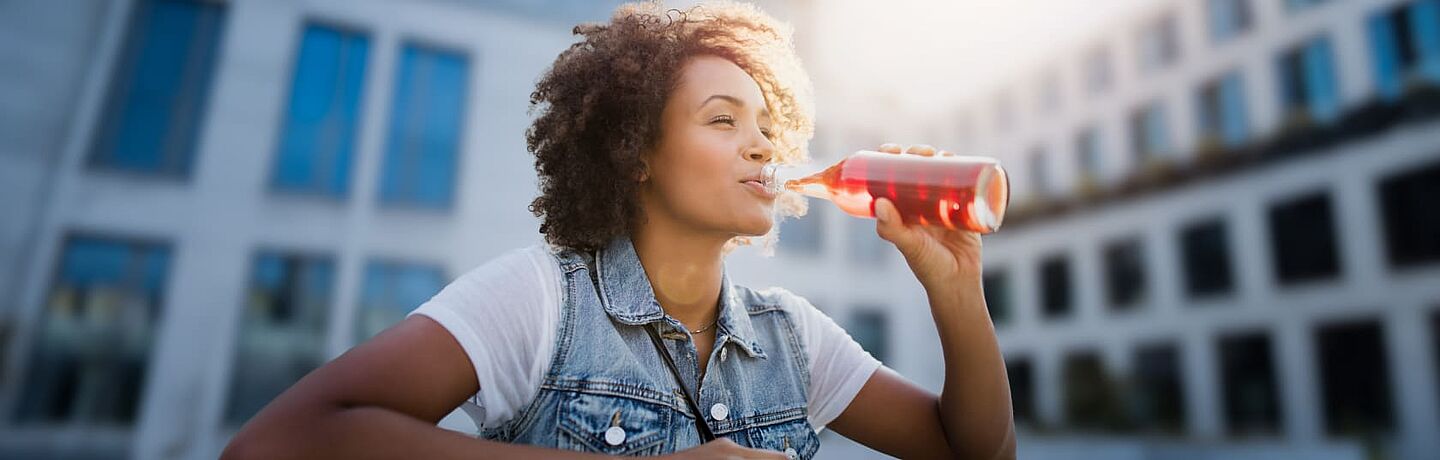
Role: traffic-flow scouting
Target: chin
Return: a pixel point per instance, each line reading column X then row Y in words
column 757, row 227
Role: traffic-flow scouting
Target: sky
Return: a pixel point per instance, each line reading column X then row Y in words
column 917, row 49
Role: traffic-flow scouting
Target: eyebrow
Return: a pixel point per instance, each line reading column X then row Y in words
column 764, row 112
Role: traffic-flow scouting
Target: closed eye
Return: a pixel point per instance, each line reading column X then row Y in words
column 723, row 119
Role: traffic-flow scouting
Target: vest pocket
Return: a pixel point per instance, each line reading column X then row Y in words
column 612, row 425
column 795, row 438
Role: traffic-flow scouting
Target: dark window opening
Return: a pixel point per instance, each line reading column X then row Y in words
column 1247, row 376
column 1302, row 239
column 1412, row 222
column 1159, row 394
column 1205, row 249
column 1124, row 273
column 1055, row 286
column 1354, row 378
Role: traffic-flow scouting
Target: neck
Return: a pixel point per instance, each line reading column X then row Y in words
column 684, row 267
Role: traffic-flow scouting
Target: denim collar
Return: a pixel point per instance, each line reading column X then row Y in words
column 627, row 296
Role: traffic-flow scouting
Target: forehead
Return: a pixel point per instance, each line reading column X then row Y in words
column 704, row 76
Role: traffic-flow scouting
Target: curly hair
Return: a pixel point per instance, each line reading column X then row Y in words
column 601, row 101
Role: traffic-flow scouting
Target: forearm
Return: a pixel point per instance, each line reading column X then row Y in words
column 975, row 401
column 371, row 432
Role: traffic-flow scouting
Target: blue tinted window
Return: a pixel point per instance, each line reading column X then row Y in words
column 1222, row 111
column 425, row 123
column 870, row 328
column 1159, row 43
column 1308, row 86
column 1088, row 152
column 318, row 139
column 804, row 235
column 1039, row 176
column 282, row 329
column 1405, row 43
column 1149, row 133
column 153, row 112
column 1228, row 18
column 390, row 291
column 92, row 340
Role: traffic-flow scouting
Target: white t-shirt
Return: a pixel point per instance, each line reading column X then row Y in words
column 505, row 314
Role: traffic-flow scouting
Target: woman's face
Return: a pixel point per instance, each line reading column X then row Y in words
column 714, row 136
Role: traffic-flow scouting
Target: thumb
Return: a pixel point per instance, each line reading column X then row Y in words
column 889, row 224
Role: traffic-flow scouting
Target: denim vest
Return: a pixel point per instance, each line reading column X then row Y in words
column 608, row 390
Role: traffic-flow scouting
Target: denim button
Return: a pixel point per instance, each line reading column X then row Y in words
column 790, row 452
column 614, row 436
column 719, row 411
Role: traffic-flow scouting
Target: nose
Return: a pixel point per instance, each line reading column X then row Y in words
column 762, row 152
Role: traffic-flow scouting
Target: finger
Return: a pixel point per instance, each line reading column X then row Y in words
column 944, row 153
column 890, row 147
column 922, row 150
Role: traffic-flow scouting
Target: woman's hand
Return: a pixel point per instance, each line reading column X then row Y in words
column 723, row 449
column 941, row 258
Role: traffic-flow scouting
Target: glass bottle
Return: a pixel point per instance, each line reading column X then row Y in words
column 955, row 191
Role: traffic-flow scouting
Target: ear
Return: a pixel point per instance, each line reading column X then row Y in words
column 644, row 173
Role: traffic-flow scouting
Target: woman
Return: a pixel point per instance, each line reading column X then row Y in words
column 622, row 335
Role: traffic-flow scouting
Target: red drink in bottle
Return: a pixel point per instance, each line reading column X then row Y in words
column 957, row 192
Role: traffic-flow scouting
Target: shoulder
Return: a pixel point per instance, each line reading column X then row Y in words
column 796, row 308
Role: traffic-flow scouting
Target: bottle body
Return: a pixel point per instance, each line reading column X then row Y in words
column 956, row 192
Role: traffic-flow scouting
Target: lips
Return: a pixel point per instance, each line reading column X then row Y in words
column 757, row 187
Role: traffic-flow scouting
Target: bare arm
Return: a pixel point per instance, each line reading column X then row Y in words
column 380, row 399
column 970, row 419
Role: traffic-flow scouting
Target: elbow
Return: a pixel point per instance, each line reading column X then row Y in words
column 246, row 446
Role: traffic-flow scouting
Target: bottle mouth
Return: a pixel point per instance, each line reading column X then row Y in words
column 769, row 179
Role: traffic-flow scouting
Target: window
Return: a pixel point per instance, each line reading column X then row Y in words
column 1091, row 394
column 804, row 235
column 1159, row 394
column 996, row 284
column 1039, row 174
column 1405, row 43
column 1088, row 151
column 1302, row 239
column 317, row 141
column 1150, row 138
column 1412, row 227
column 870, row 328
column 1055, row 286
column 1098, row 74
column 1247, row 376
column 92, row 344
column 1228, row 18
column 1222, row 111
column 282, row 329
column 426, row 117
column 1124, row 273
column 1205, row 249
column 155, row 107
column 1159, row 43
column 1354, row 378
column 1308, row 87
column 1022, row 389
column 865, row 246
column 391, row 290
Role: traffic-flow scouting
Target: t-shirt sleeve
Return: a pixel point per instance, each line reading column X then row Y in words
column 839, row 367
column 503, row 313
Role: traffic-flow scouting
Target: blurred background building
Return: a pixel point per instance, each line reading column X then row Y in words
column 1224, row 238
